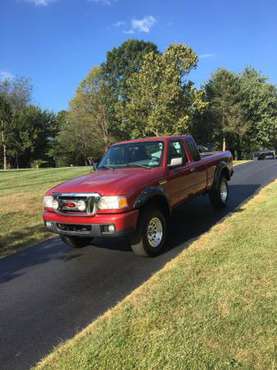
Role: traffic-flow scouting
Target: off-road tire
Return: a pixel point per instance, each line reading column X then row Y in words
column 219, row 193
column 150, row 217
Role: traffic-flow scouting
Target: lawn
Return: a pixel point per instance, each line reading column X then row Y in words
column 212, row 307
column 21, row 193
column 241, row 161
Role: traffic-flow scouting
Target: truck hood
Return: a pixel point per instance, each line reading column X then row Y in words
column 124, row 181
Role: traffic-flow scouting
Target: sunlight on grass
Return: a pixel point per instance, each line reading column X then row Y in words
column 212, row 307
column 21, row 193
column 242, row 161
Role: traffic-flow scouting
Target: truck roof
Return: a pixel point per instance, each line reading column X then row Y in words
column 153, row 138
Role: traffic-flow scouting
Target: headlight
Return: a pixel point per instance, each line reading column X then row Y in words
column 48, row 201
column 112, row 202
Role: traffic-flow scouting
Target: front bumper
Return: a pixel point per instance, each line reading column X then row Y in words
column 124, row 224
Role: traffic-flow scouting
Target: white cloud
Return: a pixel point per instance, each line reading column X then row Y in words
column 40, row 2
column 142, row 25
column 5, row 75
column 205, row 56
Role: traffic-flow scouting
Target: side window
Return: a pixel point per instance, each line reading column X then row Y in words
column 193, row 149
column 176, row 150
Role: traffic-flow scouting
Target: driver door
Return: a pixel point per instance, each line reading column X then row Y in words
column 176, row 185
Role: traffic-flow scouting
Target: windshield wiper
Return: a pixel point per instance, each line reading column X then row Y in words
column 127, row 165
column 105, row 168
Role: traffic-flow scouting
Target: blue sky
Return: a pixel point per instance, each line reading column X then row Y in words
column 56, row 42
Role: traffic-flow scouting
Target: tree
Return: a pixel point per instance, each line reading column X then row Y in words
column 223, row 94
column 15, row 95
column 93, row 99
column 17, row 92
column 204, row 128
column 121, row 62
column 5, row 126
column 259, row 109
column 33, row 132
column 160, row 98
column 242, row 109
column 88, row 128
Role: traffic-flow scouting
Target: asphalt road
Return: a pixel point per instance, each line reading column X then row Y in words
column 49, row 292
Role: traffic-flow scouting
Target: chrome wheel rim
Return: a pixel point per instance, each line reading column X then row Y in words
column 223, row 191
column 154, row 232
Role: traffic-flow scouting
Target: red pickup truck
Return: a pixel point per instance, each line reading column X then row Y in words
column 133, row 191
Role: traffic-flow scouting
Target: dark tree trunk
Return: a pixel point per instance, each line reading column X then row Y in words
column 4, row 151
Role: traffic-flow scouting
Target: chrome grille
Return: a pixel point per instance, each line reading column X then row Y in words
column 68, row 203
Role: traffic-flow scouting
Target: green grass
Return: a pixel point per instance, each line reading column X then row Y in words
column 212, row 307
column 21, row 193
column 241, row 161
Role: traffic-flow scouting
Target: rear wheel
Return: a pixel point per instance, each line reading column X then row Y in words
column 152, row 231
column 76, row 241
column 219, row 193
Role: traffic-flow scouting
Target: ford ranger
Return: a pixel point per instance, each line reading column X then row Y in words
column 133, row 191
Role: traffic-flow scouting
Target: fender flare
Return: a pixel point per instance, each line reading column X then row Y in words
column 220, row 168
column 150, row 193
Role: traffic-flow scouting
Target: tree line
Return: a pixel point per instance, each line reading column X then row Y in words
column 27, row 132
column 139, row 91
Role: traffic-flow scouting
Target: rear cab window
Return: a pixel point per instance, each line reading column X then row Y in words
column 192, row 147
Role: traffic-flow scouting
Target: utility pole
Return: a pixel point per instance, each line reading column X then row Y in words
column 224, row 144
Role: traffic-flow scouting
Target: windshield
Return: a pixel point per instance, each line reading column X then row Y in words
column 141, row 154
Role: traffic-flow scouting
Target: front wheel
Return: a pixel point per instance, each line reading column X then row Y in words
column 152, row 231
column 219, row 193
column 75, row 241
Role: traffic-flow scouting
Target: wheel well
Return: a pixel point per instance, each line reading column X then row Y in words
column 158, row 201
column 225, row 173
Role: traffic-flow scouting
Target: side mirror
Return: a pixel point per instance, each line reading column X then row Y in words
column 176, row 162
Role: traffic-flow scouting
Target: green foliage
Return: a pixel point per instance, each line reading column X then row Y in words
column 87, row 129
column 5, row 126
column 33, row 131
column 122, row 62
column 223, row 94
column 91, row 124
column 138, row 92
column 5, row 114
column 242, row 109
column 160, row 99
column 259, row 109
column 27, row 132
column 17, row 92
column 119, row 66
